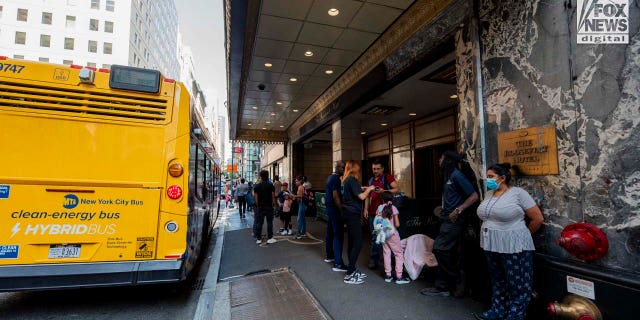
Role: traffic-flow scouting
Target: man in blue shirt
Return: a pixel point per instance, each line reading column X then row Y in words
column 458, row 194
column 335, row 234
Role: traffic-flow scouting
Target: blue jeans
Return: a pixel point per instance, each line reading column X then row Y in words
column 374, row 256
column 302, row 221
column 335, row 234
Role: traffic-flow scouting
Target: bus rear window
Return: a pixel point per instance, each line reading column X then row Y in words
column 135, row 79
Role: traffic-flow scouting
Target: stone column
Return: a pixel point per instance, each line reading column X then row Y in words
column 347, row 141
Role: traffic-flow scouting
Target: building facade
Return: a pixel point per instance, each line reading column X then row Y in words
column 90, row 33
column 463, row 75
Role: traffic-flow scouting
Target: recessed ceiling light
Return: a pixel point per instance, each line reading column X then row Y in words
column 293, row 79
column 264, row 128
column 328, row 71
column 413, row 114
column 308, row 53
column 249, row 124
column 268, row 122
column 273, row 113
column 268, row 65
column 453, row 96
column 254, row 108
column 384, row 124
column 333, row 12
column 363, row 132
column 278, row 103
column 281, row 126
column 295, row 110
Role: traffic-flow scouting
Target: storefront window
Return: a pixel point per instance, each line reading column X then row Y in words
column 402, row 171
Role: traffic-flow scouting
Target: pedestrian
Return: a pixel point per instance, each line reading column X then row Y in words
column 353, row 196
column 302, row 207
column 284, row 203
column 264, row 195
column 335, row 234
column 385, row 223
column 382, row 182
column 507, row 243
column 241, row 191
column 458, row 194
column 251, row 204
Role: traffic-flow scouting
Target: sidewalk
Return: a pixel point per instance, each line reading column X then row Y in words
column 374, row 299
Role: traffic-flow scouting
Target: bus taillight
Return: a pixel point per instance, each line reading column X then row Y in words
column 174, row 192
column 175, row 170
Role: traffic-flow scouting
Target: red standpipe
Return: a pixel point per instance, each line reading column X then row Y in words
column 584, row 241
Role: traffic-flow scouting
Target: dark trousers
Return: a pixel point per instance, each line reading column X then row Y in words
column 354, row 234
column 242, row 205
column 511, row 282
column 445, row 250
column 335, row 234
column 263, row 212
column 376, row 248
column 286, row 220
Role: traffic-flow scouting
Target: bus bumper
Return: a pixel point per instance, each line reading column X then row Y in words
column 82, row 275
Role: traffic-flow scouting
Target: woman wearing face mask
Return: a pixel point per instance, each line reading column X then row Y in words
column 508, row 245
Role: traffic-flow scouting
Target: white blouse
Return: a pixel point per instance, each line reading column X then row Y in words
column 503, row 228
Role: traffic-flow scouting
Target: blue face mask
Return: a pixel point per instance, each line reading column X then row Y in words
column 492, row 184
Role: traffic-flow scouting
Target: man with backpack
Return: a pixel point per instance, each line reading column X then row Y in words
column 458, row 194
column 382, row 182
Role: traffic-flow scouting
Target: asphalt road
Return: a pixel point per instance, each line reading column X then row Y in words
column 157, row 302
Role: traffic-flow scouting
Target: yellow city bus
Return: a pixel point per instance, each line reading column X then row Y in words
column 106, row 177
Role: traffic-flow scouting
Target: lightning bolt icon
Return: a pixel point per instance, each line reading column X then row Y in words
column 15, row 229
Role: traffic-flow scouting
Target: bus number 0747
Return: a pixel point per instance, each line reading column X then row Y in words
column 8, row 67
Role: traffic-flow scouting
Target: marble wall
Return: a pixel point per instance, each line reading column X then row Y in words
column 534, row 74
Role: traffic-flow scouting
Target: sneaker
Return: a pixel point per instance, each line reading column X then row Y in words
column 281, row 230
column 360, row 274
column 353, row 279
column 402, row 280
column 327, row 260
column 271, row 241
column 289, row 232
column 259, row 241
column 388, row 279
column 339, row 268
column 434, row 292
column 283, row 233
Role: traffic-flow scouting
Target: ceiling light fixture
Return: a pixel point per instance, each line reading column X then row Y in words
column 278, row 103
column 281, row 126
column 254, row 108
column 249, row 124
column 328, row 71
column 268, row 65
column 268, row 122
column 295, row 110
column 264, row 128
column 273, row 113
column 453, row 96
column 413, row 114
column 363, row 132
column 333, row 12
column 384, row 124
column 308, row 53
column 293, row 79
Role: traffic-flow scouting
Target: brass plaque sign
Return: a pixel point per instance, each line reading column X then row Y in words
column 531, row 151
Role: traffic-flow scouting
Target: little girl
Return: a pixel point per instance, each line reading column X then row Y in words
column 386, row 221
column 286, row 214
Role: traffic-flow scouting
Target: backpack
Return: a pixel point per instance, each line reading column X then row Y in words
column 308, row 197
column 399, row 199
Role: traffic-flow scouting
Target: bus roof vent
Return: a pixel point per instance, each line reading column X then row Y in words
column 82, row 102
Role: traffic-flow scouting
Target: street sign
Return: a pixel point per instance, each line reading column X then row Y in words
column 232, row 168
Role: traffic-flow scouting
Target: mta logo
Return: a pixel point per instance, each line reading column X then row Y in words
column 70, row 201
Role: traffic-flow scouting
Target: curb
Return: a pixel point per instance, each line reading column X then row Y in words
column 205, row 308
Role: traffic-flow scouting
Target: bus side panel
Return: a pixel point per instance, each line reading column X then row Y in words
column 63, row 224
column 171, row 245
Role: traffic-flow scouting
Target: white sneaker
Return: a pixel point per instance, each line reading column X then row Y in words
column 272, row 240
column 328, row 260
column 283, row 233
column 259, row 241
column 289, row 232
